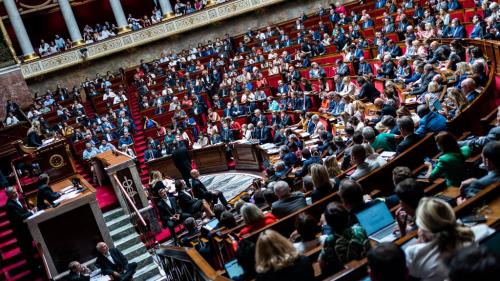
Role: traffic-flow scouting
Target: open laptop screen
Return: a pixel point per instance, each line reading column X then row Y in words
column 233, row 269
column 492, row 242
column 375, row 217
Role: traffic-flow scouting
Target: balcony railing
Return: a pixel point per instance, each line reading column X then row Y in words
column 143, row 36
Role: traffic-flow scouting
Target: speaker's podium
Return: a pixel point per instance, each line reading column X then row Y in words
column 121, row 171
column 71, row 230
column 246, row 155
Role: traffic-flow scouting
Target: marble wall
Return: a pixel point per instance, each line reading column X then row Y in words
column 234, row 26
column 13, row 87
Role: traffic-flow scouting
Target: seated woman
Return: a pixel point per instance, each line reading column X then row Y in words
column 188, row 203
column 451, row 164
column 149, row 123
column 277, row 259
column 322, row 184
column 254, row 218
column 439, row 236
column 345, row 244
column 34, row 134
column 453, row 103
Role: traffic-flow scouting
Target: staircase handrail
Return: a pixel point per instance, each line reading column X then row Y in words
column 129, row 200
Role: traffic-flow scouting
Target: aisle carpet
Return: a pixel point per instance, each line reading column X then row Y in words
column 230, row 184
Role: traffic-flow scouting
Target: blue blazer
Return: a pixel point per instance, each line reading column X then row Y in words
column 457, row 32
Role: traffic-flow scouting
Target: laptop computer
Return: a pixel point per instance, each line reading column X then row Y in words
column 492, row 243
column 233, row 269
column 378, row 222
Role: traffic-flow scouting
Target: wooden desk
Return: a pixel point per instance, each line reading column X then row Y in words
column 247, row 156
column 211, row 158
column 71, row 230
column 164, row 165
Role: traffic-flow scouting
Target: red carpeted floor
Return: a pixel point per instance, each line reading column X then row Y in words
column 13, row 266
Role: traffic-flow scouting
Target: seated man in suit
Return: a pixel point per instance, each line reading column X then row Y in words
column 200, row 191
column 170, row 213
column 407, row 129
column 188, row 203
column 17, row 213
column 287, row 202
column 312, row 157
column 491, row 160
column 430, row 121
column 45, row 193
column 113, row 262
column 363, row 167
column 78, row 272
column 262, row 133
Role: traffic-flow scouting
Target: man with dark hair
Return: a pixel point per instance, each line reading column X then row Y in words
column 357, row 138
column 358, row 158
column 409, row 194
column 430, row 121
column 407, row 129
column 182, row 161
column 387, row 262
column 491, row 160
column 351, row 195
column 473, row 263
column 368, row 91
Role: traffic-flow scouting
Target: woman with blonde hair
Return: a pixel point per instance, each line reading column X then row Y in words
column 321, row 181
column 463, row 71
column 439, row 235
column 332, row 166
column 34, row 134
column 254, row 218
column 156, row 182
column 454, row 102
column 277, row 259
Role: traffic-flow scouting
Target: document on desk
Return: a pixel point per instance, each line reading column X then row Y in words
column 67, row 196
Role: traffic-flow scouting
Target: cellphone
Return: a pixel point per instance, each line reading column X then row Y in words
column 474, row 219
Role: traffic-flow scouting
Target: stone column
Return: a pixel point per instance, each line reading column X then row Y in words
column 69, row 18
column 121, row 20
column 18, row 26
column 166, row 8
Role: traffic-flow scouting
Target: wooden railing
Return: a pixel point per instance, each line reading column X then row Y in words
column 186, row 264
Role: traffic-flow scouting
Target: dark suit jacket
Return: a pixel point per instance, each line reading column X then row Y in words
column 407, row 142
column 107, row 267
column 284, row 207
column 73, row 276
column 198, row 188
column 166, row 212
column 369, row 92
column 45, row 193
column 187, row 202
column 16, row 215
column 262, row 134
column 182, row 160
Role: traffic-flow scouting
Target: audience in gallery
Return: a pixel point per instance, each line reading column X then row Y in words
column 102, row 31
column 230, row 79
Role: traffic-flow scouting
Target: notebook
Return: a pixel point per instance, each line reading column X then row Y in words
column 378, row 222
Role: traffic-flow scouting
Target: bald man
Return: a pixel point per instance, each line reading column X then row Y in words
column 468, row 87
column 200, row 191
column 113, row 263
